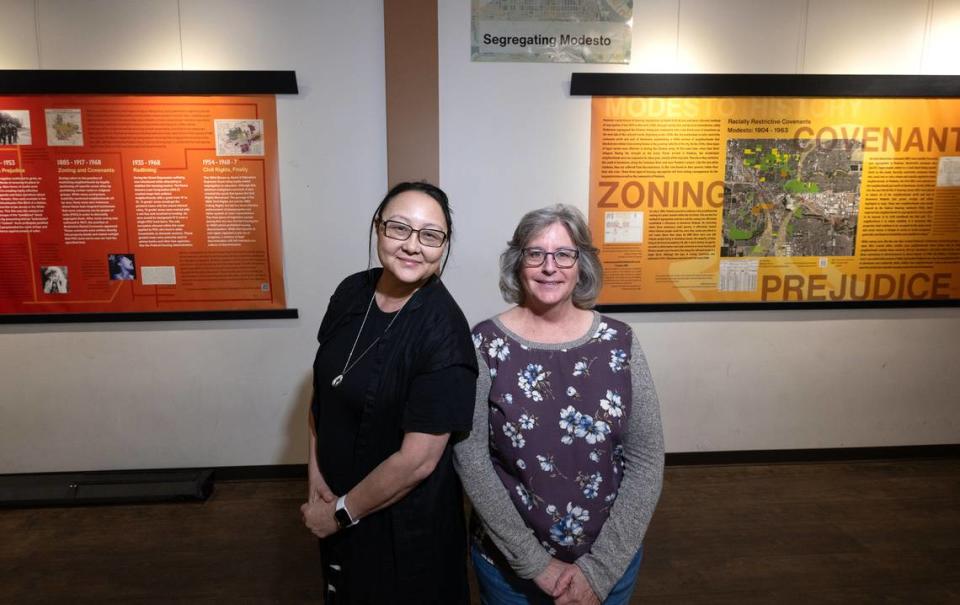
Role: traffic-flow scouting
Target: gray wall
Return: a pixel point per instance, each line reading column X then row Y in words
column 112, row 396
column 512, row 139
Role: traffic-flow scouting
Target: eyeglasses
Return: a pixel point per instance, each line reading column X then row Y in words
column 562, row 257
column 432, row 238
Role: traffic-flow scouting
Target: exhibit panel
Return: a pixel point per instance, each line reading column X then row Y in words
column 137, row 203
column 753, row 198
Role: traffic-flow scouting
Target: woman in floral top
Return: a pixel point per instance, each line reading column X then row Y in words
column 565, row 460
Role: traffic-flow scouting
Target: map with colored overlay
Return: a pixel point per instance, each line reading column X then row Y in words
column 791, row 197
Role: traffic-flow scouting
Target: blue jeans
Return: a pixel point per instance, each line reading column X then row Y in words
column 503, row 587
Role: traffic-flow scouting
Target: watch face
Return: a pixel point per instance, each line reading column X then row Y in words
column 343, row 518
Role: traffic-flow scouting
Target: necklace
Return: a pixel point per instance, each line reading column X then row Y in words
column 347, row 366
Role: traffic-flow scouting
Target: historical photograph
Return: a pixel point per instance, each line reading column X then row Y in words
column 54, row 279
column 15, row 127
column 122, row 267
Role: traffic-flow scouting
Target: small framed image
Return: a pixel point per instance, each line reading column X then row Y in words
column 54, row 279
column 122, row 267
column 948, row 171
column 158, row 276
column 64, row 127
column 623, row 228
column 15, row 127
column 239, row 137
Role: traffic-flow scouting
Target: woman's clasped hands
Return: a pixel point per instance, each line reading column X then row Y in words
column 566, row 583
column 318, row 511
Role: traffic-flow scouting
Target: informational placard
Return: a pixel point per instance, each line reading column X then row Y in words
column 776, row 199
column 572, row 31
column 120, row 204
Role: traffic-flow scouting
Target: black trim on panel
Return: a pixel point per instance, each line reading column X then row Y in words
column 838, row 454
column 149, row 316
column 777, row 306
column 762, row 85
column 159, row 82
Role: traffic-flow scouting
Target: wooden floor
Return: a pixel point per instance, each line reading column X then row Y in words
column 870, row 532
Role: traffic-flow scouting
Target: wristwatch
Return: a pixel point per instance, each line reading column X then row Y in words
column 342, row 515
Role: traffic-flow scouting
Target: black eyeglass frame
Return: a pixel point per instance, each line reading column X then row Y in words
column 383, row 224
column 524, row 259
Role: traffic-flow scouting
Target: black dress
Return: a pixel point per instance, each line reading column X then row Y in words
column 419, row 377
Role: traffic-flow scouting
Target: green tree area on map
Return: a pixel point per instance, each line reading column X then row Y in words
column 243, row 136
column 784, row 197
column 64, row 130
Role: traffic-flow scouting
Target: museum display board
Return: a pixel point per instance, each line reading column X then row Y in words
column 719, row 191
column 139, row 203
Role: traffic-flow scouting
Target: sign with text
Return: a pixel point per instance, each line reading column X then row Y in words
column 574, row 31
column 776, row 199
column 116, row 204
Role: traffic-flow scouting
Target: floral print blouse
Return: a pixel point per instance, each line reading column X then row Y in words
column 556, row 420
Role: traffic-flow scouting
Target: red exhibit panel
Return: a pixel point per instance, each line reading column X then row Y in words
column 116, row 204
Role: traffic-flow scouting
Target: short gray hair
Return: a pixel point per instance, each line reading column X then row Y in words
column 589, row 270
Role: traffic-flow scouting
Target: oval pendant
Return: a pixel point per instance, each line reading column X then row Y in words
column 336, row 381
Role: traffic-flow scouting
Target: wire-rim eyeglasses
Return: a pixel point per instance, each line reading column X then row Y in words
column 563, row 258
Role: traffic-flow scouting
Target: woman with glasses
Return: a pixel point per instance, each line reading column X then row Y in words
column 394, row 379
column 565, row 460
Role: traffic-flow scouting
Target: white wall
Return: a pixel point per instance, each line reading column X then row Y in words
column 112, row 396
column 512, row 139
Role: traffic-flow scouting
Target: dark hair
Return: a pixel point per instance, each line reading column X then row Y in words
column 589, row 269
column 423, row 187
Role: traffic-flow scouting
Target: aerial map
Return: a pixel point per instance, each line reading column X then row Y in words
column 791, row 197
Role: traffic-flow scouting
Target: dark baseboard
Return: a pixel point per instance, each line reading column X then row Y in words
column 158, row 485
column 105, row 487
column 838, row 454
column 254, row 473
column 833, row 454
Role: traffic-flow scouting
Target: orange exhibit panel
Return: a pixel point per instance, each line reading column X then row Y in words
column 720, row 199
column 137, row 204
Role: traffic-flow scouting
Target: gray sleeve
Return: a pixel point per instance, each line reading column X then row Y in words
column 500, row 517
column 622, row 533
